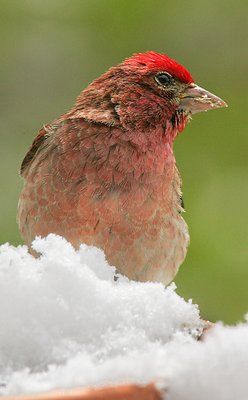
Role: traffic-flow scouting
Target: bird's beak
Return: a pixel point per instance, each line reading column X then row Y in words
column 195, row 99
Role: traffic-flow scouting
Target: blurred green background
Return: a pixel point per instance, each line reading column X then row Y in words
column 51, row 49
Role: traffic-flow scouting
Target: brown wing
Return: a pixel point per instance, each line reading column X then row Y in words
column 38, row 142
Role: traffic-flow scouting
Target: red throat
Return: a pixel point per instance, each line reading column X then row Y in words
column 176, row 127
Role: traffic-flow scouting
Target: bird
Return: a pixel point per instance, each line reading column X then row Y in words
column 104, row 173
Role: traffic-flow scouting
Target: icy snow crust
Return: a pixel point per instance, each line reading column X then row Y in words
column 66, row 322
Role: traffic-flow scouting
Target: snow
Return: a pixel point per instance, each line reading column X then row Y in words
column 67, row 322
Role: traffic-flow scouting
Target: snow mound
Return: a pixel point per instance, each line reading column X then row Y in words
column 66, row 321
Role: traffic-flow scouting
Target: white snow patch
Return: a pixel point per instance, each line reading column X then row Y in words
column 66, row 322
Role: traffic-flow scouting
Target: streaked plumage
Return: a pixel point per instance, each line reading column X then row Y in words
column 104, row 173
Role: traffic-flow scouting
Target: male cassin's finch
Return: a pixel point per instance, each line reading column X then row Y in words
column 104, row 173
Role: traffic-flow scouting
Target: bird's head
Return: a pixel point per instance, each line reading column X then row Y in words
column 170, row 85
column 144, row 91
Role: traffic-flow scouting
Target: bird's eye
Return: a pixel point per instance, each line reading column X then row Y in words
column 163, row 79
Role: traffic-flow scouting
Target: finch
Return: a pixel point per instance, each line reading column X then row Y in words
column 104, row 173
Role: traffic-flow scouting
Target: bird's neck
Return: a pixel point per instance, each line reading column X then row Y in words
column 143, row 127
column 113, row 100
